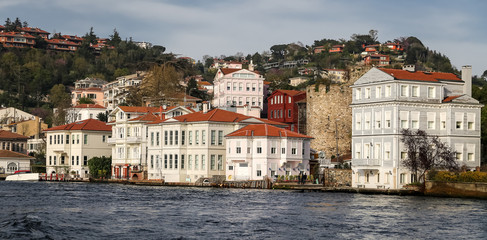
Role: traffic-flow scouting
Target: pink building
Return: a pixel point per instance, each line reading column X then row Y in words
column 234, row 88
column 96, row 94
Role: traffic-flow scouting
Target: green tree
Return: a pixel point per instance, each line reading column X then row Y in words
column 100, row 167
column 85, row 100
column 425, row 152
column 61, row 100
column 115, row 39
column 102, row 117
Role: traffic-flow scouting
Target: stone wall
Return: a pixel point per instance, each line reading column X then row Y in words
column 329, row 115
column 449, row 189
column 337, row 177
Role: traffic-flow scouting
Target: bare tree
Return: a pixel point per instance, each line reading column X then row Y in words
column 426, row 153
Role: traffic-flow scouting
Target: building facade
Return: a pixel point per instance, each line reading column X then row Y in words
column 238, row 87
column 69, row 147
column 13, row 142
column 257, row 151
column 282, row 107
column 84, row 111
column 130, row 135
column 385, row 101
column 115, row 92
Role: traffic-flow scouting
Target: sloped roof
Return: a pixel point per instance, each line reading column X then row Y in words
column 11, row 135
column 16, row 34
column 290, row 92
column 148, row 117
column 139, row 109
column 265, row 130
column 11, row 154
column 84, row 125
column 232, row 70
column 399, row 74
column 89, row 106
column 61, row 41
column 216, row 115
column 450, row 98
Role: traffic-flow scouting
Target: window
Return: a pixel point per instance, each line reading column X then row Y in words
column 470, row 125
column 431, row 92
column 152, row 138
column 367, row 93
column 176, row 137
column 55, row 160
column 62, row 160
column 12, row 167
column 203, row 162
column 415, row 91
column 230, row 168
column 85, row 139
column 165, row 138
column 67, row 139
column 213, row 137
column 183, row 138
column 85, row 160
column 387, row 155
column 253, row 87
column 158, row 138
column 182, row 161
column 220, row 162
column 378, row 92
column 283, row 150
column 415, row 124
column 190, row 162
column 259, row 149
column 459, row 156
column 203, row 137
column 388, row 91
column 240, row 86
column 402, row 178
column 212, row 162
column 377, row 124
column 190, row 137
column 273, row 150
column 248, row 87
column 289, row 113
column 103, row 138
column 470, row 157
column 196, row 137
column 443, row 124
column 404, row 155
column 170, row 161
column 50, row 140
column 431, row 125
column 196, row 162
column 458, row 125
column 404, row 91
column 234, row 86
column 358, row 94
column 152, row 161
column 238, row 150
column 228, row 86
column 176, row 161
column 293, row 151
column 388, row 123
column 220, row 138
column 259, row 173
column 404, row 123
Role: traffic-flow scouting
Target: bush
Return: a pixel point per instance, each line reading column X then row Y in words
column 445, row 176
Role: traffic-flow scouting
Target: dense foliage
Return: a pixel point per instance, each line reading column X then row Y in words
column 445, row 176
column 100, row 167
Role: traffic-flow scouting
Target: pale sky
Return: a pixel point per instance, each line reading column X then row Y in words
column 194, row 28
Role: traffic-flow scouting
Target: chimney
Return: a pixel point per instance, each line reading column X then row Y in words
column 467, row 78
column 205, row 107
column 251, row 65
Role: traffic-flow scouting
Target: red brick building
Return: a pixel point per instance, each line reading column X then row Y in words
column 282, row 107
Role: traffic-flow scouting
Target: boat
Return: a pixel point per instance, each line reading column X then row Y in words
column 23, row 175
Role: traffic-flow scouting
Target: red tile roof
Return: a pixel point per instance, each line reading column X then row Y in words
column 149, row 117
column 10, row 154
column 84, row 125
column 420, row 76
column 215, row 115
column 229, row 70
column 139, row 109
column 11, row 135
column 16, row 34
column 266, row 131
column 33, row 30
column 291, row 92
column 450, row 98
column 89, row 106
column 61, row 41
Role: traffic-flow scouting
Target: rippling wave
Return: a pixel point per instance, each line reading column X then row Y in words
column 46, row 210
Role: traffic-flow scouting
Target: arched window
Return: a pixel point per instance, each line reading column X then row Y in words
column 12, row 167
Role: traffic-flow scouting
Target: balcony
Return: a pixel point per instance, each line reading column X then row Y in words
column 111, row 140
column 366, row 162
column 134, row 139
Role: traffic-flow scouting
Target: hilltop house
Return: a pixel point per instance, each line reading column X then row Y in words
column 239, row 87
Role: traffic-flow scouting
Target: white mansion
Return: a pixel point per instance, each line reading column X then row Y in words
column 388, row 100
